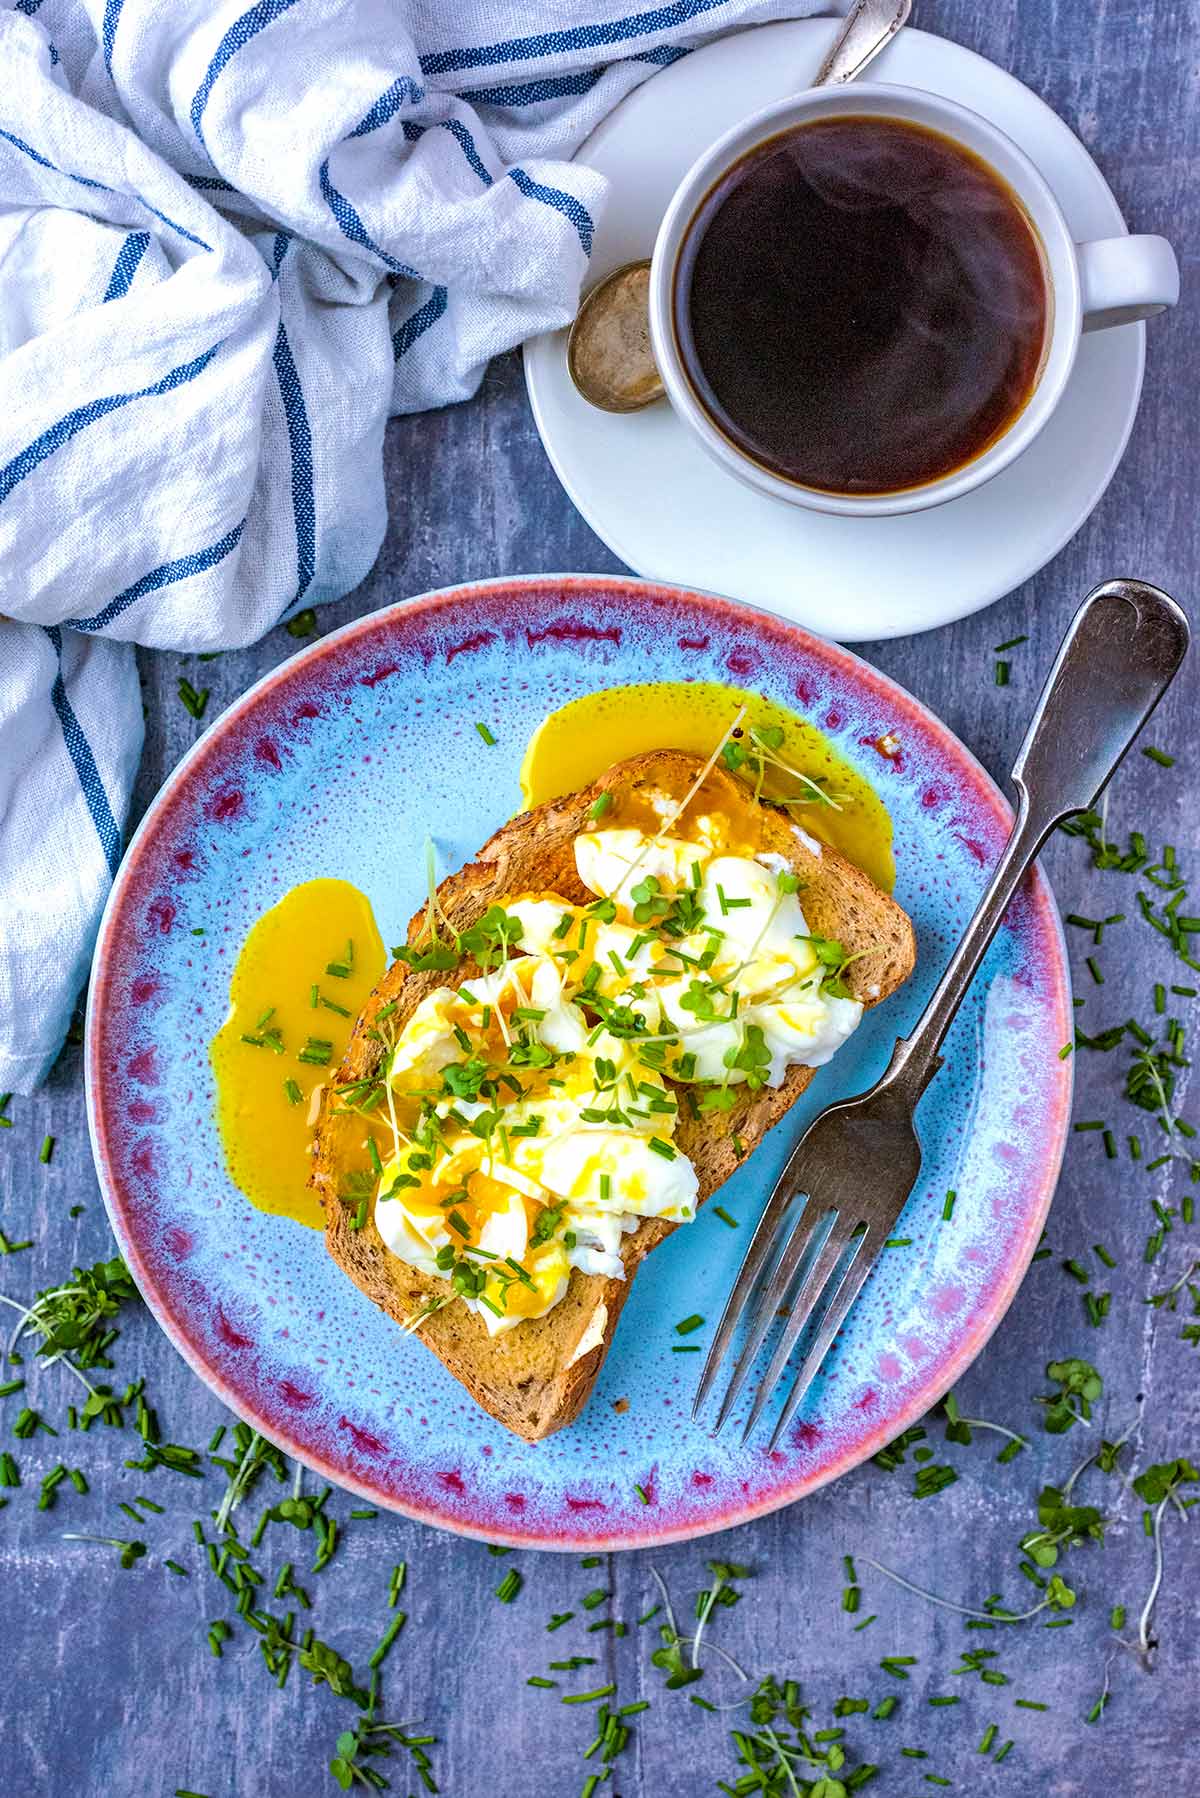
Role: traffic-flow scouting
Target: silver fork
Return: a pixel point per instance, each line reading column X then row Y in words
column 855, row 1165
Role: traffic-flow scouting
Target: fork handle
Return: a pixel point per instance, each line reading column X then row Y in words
column 1121, row 652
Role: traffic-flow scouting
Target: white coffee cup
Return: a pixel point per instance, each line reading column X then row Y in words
column 1090, row 286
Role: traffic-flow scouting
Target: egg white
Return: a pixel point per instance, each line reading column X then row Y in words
column 602, row 1176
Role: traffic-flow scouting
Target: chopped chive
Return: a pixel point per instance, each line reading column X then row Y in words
column 559, row 1618
column 1158, row 755
column 385, row 1641
column 600, row 805
column 536, row 1680
column 1013, row 643
column 46, row 1151
column 194, row 702
column 294, row 1094
column 303, row 624
column 509, row 1586
column 688, row 1324
column 587, row 1697
column 1002, row 669
column 486, row 734
column 1094, row 971
column 720, row 1211
column 948, row 1207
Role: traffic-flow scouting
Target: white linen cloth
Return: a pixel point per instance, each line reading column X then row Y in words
column 233, row 241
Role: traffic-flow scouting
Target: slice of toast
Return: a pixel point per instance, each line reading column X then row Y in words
column 535, row 1378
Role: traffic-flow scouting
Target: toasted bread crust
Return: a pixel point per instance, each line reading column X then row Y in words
column 529, row 1378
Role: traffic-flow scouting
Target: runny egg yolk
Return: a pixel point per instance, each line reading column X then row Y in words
column 579, row 741
column 265, row 1092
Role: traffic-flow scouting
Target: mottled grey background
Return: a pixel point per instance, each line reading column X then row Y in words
column 109, row 1688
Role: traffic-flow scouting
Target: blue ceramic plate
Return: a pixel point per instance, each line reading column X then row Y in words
column 339, row 763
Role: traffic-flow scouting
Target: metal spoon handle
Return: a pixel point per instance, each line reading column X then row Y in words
column 870, row 26
column 1122, row 651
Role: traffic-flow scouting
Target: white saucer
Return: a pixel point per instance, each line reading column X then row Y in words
column 659, row 502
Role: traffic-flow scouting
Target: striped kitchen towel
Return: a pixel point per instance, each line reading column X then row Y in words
column 233, row 241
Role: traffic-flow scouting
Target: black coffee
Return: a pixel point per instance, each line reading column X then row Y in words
column 861, row 305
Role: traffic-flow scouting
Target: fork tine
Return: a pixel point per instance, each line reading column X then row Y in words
column 805, row 1303
column 804, row 1241
column 848, row 1288
column 757, row 1255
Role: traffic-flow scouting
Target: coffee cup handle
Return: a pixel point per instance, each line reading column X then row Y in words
column 1124, row 279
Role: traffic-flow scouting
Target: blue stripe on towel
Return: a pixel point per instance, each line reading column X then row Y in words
column 100, row 186
column 190, row 235
column 304, row 508
column 562, row 202
column 404, row 91
column 466, row 143
column 353, row 228
column 235, row 39
column 577, row 37
column 126, row 265
column 108, row 31
column 534, row 93
column 80, row 752
column 210, row 184
column 53, row 439
column 36, row 156
column 179, row 570
column 418, row 322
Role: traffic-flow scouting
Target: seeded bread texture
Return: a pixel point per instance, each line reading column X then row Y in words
column 532, row 1378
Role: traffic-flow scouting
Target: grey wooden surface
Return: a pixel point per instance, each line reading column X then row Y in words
column 109, row 1686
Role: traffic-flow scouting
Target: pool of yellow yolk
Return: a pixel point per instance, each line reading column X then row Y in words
column 575, row 744
column 265, row 1133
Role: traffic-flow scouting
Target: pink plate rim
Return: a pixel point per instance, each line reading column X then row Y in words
column 723, row 611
